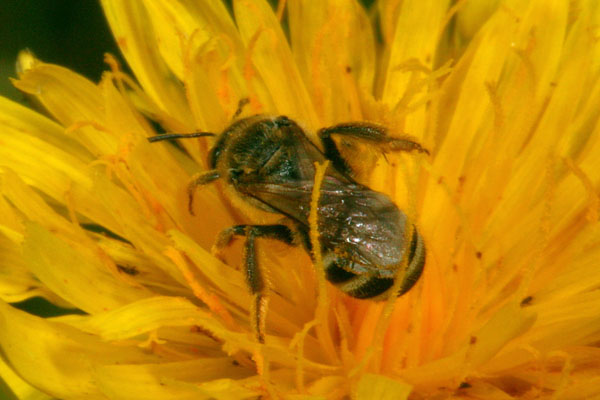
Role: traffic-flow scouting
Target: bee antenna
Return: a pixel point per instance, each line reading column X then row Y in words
column 172, row 136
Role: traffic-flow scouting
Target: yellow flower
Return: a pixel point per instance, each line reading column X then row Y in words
column 505, row 95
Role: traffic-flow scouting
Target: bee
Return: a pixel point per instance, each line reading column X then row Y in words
column 269, row 162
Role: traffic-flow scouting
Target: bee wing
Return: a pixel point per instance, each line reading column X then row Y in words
column 290, row 198
column 364, row 225
column 353, row 221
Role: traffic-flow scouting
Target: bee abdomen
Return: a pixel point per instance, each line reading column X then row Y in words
column 367, row 286
column 416, row 262
column 337, row 275
column 359, row 286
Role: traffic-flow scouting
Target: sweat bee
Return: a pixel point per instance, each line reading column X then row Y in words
column 269, row 162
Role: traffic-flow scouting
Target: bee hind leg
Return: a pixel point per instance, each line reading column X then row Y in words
column 364, row 131
column 254, row 275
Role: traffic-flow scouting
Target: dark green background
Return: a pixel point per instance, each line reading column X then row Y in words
column 72, row 33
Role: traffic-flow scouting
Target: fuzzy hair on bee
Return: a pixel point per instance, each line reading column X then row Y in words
column 366, row 241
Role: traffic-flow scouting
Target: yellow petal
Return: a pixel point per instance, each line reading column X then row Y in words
column 334, row 49
column 273, row 60
column 173, row 25
column 14, row 387
column 373, row 386
column 226, row 279
column 55, row 358
column 75, row 274
column 41, row 164
column 19, row 120
column 16, row 281
column 472, row 15
column 283, row 313
column 135, row 36
column 219, row 71
column 140, row 317
column 202, row 47
column 196, row 379
column 408, row 40
column 327, row 386
column 67, row 95
column 10, row 222
column 28, row 202
column 71, row 99
column 509, row 323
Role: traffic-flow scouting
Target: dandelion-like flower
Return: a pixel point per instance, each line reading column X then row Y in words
column 504, row 95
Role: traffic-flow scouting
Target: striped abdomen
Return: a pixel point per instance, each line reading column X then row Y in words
column 339, row 271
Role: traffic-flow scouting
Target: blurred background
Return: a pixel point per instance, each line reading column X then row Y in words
column 72, row 33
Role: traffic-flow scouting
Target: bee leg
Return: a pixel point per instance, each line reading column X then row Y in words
column 366, row 132
column 254, row 276
column 278, row 232
column 256, row 282
column 404, row 144
column 199, row 179
column 332, row 152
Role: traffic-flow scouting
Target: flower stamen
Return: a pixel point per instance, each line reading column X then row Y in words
column 322, row 311
column 211, row 300
column 593, row 198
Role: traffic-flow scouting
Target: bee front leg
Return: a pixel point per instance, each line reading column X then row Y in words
column 254, row 275
column 200, row 179
column 364, row 131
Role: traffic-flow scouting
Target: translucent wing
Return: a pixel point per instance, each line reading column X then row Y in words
column 354, row 221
